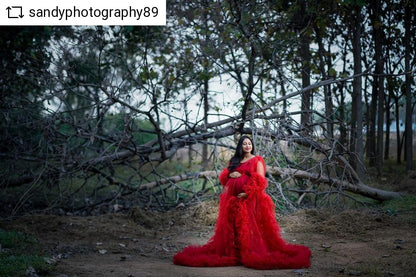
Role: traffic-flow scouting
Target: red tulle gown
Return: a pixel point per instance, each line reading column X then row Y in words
column 246, row 232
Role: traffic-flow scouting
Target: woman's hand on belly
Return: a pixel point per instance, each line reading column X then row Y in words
column 234, row 174
column 242, row 195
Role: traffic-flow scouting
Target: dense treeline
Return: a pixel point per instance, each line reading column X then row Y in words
column 97, row 111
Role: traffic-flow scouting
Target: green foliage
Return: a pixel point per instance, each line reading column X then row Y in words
column 20, row 122
column 359, row 3
column 16, row 265
column 15, row 240
column 142, row 130
column 20, row 251
column 405, row 203
column 23, row 63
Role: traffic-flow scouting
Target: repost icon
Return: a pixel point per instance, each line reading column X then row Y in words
column 14, row 12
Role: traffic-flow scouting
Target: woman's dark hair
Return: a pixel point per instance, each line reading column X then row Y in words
column 239, row 154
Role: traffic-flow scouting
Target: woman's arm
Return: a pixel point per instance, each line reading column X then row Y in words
column 258, row 180
column 260, row 168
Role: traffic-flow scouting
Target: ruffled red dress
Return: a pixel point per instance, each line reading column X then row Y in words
column 246, row 232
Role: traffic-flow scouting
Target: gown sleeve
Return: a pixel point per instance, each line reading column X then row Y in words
column 224, row 176
column 258, row 181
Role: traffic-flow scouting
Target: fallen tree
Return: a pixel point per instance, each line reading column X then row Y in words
column 108, row 162
column 358, row 188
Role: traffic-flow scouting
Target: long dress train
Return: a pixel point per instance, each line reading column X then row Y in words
column 246, row 232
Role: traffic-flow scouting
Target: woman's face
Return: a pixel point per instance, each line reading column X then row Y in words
column 247, row 147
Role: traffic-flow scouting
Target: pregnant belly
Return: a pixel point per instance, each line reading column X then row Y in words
column 235, row 185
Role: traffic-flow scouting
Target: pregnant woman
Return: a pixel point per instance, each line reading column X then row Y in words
column 246, row 232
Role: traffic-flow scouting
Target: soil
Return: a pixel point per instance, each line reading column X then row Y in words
column 363, row 242
column 352, row 242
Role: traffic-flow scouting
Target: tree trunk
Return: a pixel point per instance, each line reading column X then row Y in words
column 397, row 115
column 409, row 132
column 357, row 147
column 205, row 92
column 327, row 89
column 303, row 18
column 371, row 141
column 206, row 110
column 282, row 90
column 366, row 96
column 341, row 105
column 375, row 15
column 388, row 121
column 305, row 55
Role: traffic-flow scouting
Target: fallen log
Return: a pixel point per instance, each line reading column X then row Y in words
column 358, row 188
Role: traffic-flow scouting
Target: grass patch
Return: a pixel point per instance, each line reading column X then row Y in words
column 19, row 252
column 405, row 203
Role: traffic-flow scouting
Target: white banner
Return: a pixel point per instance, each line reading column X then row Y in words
column 82, row 12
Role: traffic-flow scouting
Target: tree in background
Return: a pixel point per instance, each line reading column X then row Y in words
column 356, row 137
column 101, row 88
column 410, row 8
column 23, row 70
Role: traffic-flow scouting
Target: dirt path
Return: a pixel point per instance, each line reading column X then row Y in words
column 350, row 243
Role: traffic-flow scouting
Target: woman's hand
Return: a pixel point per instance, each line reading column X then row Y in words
column 242, row 195
column 235, row 174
